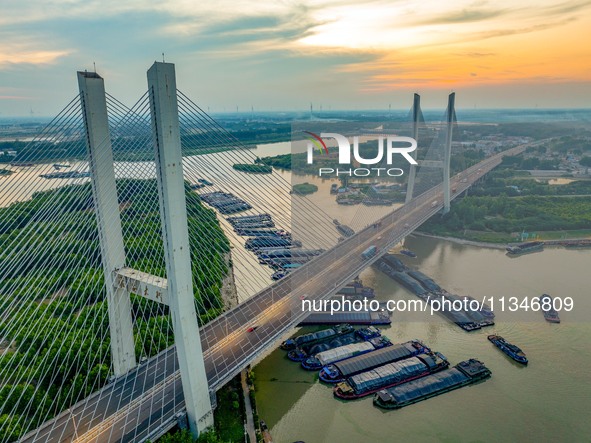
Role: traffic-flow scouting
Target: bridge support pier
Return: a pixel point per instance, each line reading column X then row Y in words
column 416, row 119
column 451, row 113
column 104, row 192
column 173, row 211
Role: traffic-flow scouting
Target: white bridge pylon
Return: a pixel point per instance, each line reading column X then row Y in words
column 176, row 290
column 417, row 119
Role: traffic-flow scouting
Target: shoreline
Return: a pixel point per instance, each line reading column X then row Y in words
column 461, row 241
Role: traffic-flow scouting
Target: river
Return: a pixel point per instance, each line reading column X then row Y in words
column 547, row 401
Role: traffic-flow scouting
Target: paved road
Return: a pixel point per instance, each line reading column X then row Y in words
column 149, row 397
column 250, row 424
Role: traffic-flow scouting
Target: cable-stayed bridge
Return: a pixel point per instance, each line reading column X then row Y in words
column 80, row 334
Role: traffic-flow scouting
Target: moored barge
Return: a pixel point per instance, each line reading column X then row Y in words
column 314, row 337
column 337, row 354
column 392, row 374
column 462, row 374
column 339, row 371
column 525, row 248
column 303, row 352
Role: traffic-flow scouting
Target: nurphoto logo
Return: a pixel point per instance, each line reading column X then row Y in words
column 393, row 143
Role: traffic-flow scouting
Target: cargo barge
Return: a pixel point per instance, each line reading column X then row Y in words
column 261, row 232
column 485, row 309
column 357, row 288
column 395, row 263
column 301, row 353
column 463, row 374
column 286, row 263
column 225, row 202
column 284, row 270
column 337, row 372
column 337, row 354
column 525, row 248
column 429, row 291
column 314, row 337
column 66, row 175
column 511, row 350
column 288, row 253
column 254, row 243
column 427, row 282
column 469, row 320
column 547, row 306
column 377, row 202
column 249, row 218
column 401, row 277
column 345, row 230
column 254, row 224
column 389, row 375
column 352, row 317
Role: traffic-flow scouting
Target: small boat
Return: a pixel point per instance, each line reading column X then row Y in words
column 547, row 306
column 511, row 350
column 408, row 253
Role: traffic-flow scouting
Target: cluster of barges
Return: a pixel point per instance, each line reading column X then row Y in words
column 369, row 364
column 429, row 291
column 273, row 246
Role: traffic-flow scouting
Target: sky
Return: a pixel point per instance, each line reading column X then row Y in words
column 283, row 55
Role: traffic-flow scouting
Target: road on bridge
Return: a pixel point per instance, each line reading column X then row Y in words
column 146, row 400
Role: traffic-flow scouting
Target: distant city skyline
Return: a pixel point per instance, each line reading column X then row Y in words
column 280, row 56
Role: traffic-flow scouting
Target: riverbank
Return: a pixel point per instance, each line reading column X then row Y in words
column 463, row 241
column 550, row 238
